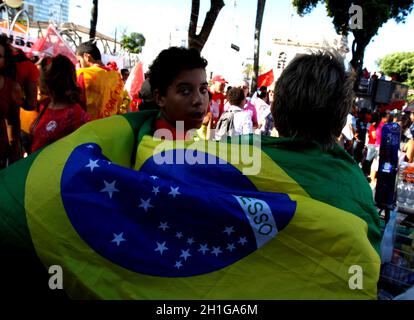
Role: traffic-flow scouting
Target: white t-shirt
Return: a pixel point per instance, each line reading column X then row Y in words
column 242, row 121
column 347, row 130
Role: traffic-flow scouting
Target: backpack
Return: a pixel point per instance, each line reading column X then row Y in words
column 225, row 125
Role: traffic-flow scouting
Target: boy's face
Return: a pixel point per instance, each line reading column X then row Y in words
column 186, row 99
column 83, row 60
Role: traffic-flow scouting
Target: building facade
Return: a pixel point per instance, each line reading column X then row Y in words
column 285, row 50
column 48, row 10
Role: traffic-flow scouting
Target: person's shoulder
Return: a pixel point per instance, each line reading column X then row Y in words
column 80, row 71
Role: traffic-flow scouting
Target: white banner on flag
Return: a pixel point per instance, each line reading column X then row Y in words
column 18, row 39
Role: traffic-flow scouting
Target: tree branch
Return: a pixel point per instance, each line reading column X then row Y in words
column 195, row 8
column 198, row 41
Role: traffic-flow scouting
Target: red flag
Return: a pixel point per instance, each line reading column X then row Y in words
column 52, row 45
column 135, row 80
column 266, row 79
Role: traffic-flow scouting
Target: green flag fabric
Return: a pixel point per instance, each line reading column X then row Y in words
column 127, row 216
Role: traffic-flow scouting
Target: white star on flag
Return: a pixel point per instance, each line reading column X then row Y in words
column 108, row 162
column 216, row 251
column 242, row 240
column 110, row 188
column 89, row 146
column 92, row 164
column 163, row 226
column 161, row 247
column 203, row 248
column 174, row 191
column 179, row 235
column 190, row 241
column 178, row 264
column 185, row 254
column 146, row 204
column 156, row 190
column 118, row 238
column 229, row 230
column 154, row 177
column 230, row 247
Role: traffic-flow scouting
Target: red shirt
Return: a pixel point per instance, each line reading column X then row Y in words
column 371, row 138
column 57, row 123
column 217, row 105
column 173, row 133
column 26, row 70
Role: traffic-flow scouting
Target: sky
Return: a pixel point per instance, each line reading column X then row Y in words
column 161, row 20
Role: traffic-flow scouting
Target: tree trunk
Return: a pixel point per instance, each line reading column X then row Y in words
column 94, row 20
column 259, row 18
column 361, row 41
column 197, row 41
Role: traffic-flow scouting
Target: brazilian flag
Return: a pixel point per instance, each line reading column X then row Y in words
column 127, row 216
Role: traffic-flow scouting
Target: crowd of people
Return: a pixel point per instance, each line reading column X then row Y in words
column 361, row 137
column 44, row 101
column 336, row 224
column 54, row 101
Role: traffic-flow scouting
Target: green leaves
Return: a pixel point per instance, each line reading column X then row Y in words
column 400, row 64
column 375, row 14
column 133, row 43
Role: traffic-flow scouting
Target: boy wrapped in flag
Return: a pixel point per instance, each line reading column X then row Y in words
column 128, row 208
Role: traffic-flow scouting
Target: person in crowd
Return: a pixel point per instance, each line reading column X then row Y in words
column 311, row 114
column 235, row 121
column 26, row 74
column 263, row 94
column 372, row 152
column 10, row 101
column 218, row 98
column 102, row 88
column 346, row 139
column 271, row 96
column 180, row 90
column 227, row 96
column 124, row 74
column 204, row 133
column 383, row 119
column 249, row 106
column 360, row 134
column 408, row 146
column 147, row 99
column 61, row 114
column 292, row 230
column 259, row 100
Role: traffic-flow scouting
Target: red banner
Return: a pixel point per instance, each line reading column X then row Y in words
column 135, row 80
column 52, row 45
column 266, row 79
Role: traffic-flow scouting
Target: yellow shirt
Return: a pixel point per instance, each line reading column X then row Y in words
column 103, row 89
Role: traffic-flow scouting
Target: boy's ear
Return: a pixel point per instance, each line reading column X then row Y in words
column 160, row 100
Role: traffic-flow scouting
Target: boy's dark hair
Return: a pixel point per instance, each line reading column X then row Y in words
column 313, row 98
column 58, row 79
column 123, row 71
column 170, row 63
column 236, row 96
column 91, row 48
